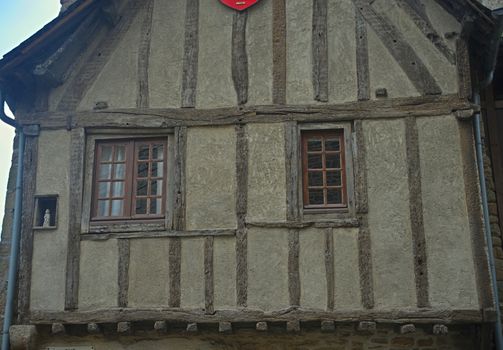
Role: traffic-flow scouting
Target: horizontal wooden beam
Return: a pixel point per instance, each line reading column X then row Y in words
column 401, row 316
column 155, row 234
column 170, row 118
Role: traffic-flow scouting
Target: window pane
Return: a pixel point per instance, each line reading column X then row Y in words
column 142, row 169
column 315, row 178
column 103, row 189
column 117, row 205
column 155, row 206
column 315, row 196
column 103, row 208
column 158, row 151
column 334, row 196
column 314, row 145
column 157, row 169
column 106, row 153
column 141, row 188
column 118, row 189
column 141, row 206
column 105, row 171
column 120, row 153
column 143, row 152
column 120, row 171
column 156, row 188
column 334, row 178
column 314, row 161
column 333, row 161
column 332, row 145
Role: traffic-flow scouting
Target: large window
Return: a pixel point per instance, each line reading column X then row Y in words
column 129, row 180
column 324, row 169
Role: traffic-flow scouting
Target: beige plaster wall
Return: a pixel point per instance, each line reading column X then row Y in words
column 192, row 273
column 211, row 178
column 224, row 276
column 266, row 173
column 347, row 279
column 442, row 21
column 148, row 272
column 50, row 246
column 313, row 274
column 451, row 272
column 389, row 217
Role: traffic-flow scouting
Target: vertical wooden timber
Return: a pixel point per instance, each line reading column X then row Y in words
column 209, row 289
column 329, row 268
column 175, row 244
column 400, row 49
column 142, row 100
column 362, row 58
column 293, row 267
column 463, row 65
column 124, row 253
column 77, row 155
column 279, row 52
column 89, row 72
column 474, row 210
column 364, row 244
column 416, row 213
column 30, row 160
column 320, row 50
column 292, row 171
column 240, row 57
column 191, row 52
column 241, row 209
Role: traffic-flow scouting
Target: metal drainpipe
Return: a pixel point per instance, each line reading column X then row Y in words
column 16, row 229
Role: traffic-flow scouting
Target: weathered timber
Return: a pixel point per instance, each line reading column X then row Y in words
column 142, row 99
column 423, row 106
column 329, row 268
column 208, row 275
column 29, row 160
column 155, row 234
column 398, row 316
column 101, row 55
column 241, row 210
column 365, row 264
column 416, row 213
column 191, row 52
column 361, row 195
column 320, row 50
column 180, row 193
column 279, row 52
column 175, row 267
column 293, row 326
column 420, row 19
column 240, row 57
column 123, row 275
column 479, row 244
column 292, row 171
column 362, row 58
column 77, row 155
column 464, row 71
column 293, row 267
column 400, row 49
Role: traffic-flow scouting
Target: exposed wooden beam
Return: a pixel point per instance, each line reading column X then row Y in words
column 191, row 53
column 279, row 52
column 142, row 99
column 240, row 57
column 320, row 50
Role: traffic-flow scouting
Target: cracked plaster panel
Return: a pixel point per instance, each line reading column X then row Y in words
column 342, row 85
column 98, row 283
column 268, row 269
column 214, row 79
column 445, row 74
column 259, row 50
column 50, row 247
column 117, row 82
column 389, row 216
column 211, row 178
column 385, row 72
column 442, row 21
column 347, row 275
column 313, row 276
column 192, row 273
column 266, row 173
column 299, row 69
column 166, row 53
column 224, row 265
column 451, row 272
column 148, row 272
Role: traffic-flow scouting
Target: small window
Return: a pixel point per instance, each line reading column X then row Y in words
column 324, row 169
column 129, row 180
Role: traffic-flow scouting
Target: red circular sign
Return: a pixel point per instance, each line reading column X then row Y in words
column 239, row 5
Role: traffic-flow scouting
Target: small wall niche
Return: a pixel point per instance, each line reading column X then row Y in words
column 46, row 212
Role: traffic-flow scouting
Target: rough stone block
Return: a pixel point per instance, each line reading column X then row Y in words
column 407, row 328
column 23, row 337
column 124, row 327
column 367, row 327
column 192, row 327
column 160, row 326
column 440, row 329
column 58, row 328
column 293, row 326
column 261, row 326
column 93, row 328
column 225, row 327
column 327, row 326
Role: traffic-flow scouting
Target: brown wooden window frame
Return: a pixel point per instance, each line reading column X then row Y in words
column 130, row 179
column 323, row 135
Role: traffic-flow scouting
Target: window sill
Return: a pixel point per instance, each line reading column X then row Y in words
column 124, row 227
